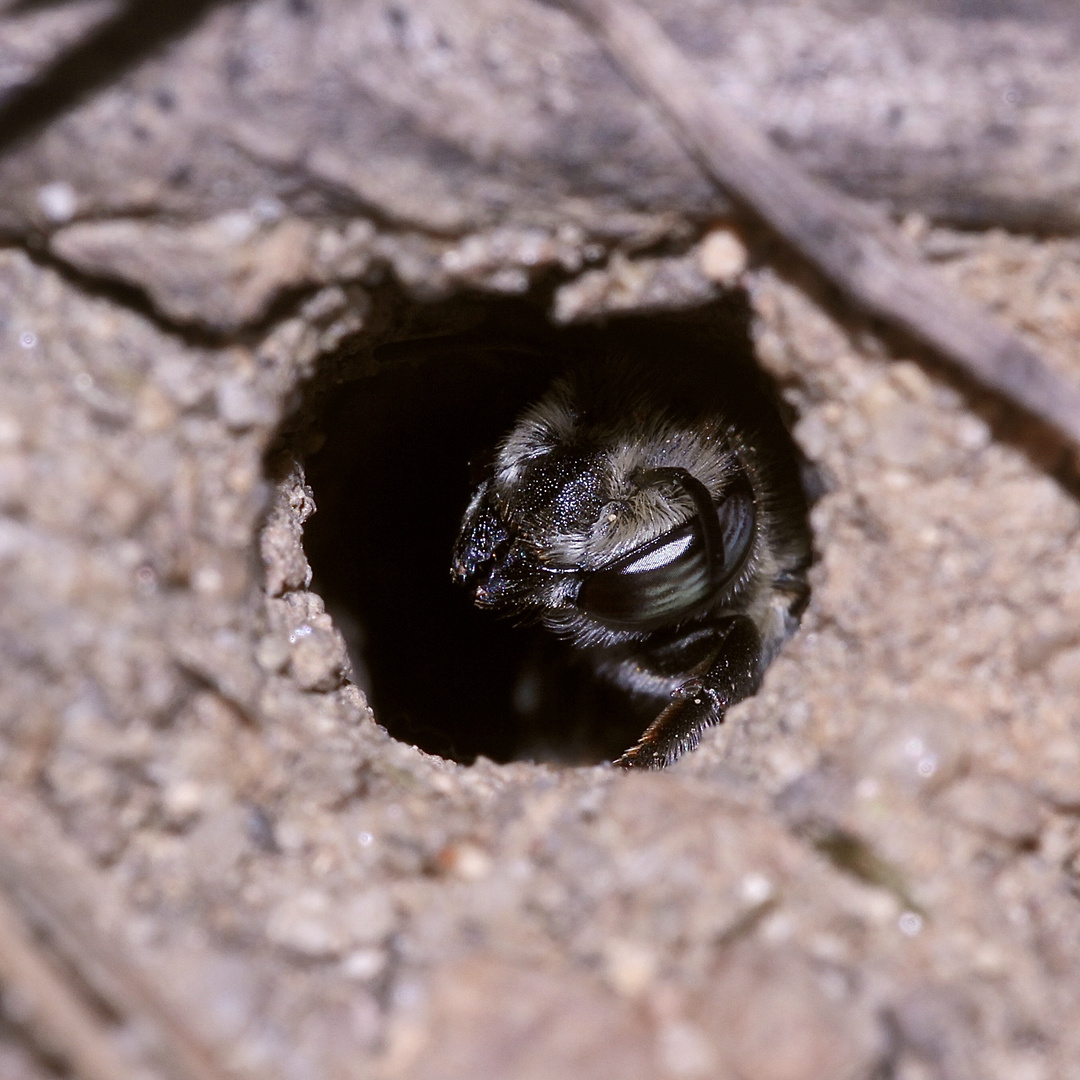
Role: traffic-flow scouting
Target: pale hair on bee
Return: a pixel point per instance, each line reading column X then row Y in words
column 648, row 508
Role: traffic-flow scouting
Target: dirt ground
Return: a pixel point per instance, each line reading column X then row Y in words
column 870, row 871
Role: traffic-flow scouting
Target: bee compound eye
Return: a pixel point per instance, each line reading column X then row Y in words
column 678, row 573
column 653, row 585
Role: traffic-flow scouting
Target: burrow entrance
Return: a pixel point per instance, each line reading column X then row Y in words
column 402, row 425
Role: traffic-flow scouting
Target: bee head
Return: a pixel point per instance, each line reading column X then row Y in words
column 556, row 545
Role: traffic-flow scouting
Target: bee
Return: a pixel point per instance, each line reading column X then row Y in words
column 648, row 509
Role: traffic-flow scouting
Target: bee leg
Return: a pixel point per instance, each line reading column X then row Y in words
column 733, row 674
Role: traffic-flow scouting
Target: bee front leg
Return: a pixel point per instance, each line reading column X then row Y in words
column 732, row 674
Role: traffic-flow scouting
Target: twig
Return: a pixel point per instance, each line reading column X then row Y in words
column 63, row 1019
column 855, row 247
column 49, row 887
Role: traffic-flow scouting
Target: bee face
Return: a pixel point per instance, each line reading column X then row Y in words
column 636, row 512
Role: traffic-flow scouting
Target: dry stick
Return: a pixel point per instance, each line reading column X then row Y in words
column 50, row 887
column 67, row 1025
column 855, row 247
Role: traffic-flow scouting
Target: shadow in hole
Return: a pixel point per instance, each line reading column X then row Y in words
column 391, row 483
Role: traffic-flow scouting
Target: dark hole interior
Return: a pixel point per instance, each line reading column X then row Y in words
column 401, row 447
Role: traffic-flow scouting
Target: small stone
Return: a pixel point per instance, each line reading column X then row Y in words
column 303, row 922
column 318, row 658
column 756, row 889
column 207, row 580
column 363, row 965
column 465, row 861
column 910, row 923
column 722, row 256
column 272, row 653
column 58, row 201
column 629, row 966
column 182, row 801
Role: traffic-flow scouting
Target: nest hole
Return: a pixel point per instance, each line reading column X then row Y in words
column 404, row 424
